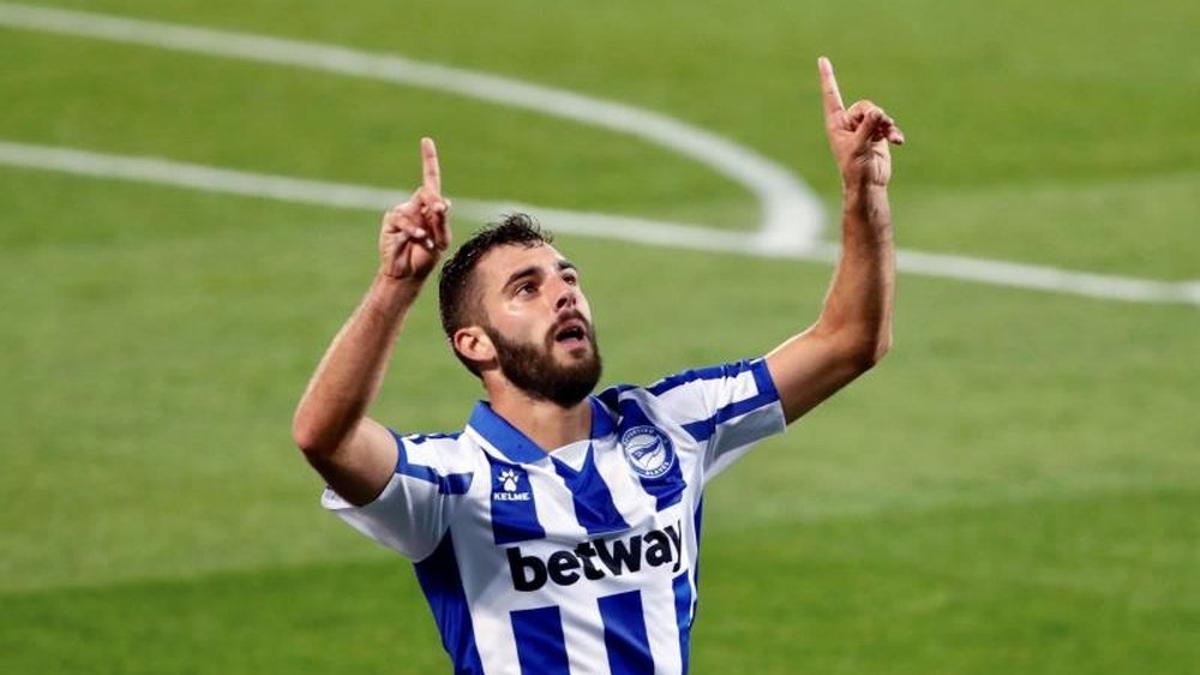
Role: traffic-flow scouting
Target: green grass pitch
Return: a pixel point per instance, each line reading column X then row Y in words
column 1015, row 489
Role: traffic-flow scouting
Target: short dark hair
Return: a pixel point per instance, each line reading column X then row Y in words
column 458, row 305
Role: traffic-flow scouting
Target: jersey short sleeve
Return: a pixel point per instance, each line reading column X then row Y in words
column 726, row 408
column 415, row 508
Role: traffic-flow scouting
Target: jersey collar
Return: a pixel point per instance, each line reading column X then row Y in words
column 518, row 447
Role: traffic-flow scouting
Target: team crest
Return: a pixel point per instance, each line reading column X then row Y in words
column 648, row 451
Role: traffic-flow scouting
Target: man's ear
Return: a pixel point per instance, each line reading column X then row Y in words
column 474, row 344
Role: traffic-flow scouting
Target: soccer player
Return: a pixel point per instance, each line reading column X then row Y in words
column 559, row 531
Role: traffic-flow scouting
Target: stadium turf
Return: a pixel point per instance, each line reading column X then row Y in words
column 1013, row 490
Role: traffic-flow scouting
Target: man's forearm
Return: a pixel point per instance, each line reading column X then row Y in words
column 352, row 370
column 858, row 308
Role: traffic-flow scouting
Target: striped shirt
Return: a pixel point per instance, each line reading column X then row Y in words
column 578, row 560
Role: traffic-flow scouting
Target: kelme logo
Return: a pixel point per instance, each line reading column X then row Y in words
column 510, row 487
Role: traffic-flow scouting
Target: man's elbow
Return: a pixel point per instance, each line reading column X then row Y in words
column 882, row 347
column 309, row 437
column 865, row 353
column 304, row 439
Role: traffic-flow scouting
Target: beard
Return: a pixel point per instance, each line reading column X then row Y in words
column 534, row 370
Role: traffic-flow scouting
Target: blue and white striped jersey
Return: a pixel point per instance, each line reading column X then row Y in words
column 578, row 560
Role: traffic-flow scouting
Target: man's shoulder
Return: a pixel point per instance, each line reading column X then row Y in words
column 692, row 395
column 663, row 398
column 453, row 452
column 436, row 437
column 690, row 379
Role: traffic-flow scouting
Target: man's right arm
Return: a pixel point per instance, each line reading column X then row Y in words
column 355, row 454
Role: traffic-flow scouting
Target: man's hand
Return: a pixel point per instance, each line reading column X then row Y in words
column 415, row 233
column 858, row 136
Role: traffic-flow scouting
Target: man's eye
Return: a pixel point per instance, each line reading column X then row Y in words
column 526, row 289
column 571, row 279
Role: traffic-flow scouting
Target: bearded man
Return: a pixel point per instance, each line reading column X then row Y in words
column 559, row 531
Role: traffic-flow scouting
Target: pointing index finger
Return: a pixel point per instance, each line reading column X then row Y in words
column 829, row 88
column 429, row 161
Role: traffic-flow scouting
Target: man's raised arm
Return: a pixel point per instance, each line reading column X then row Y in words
column 854, row 329
column 355, row 454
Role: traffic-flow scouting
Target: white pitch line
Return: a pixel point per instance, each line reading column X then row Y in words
column 344, row 195
column 1039, row 277
column 791, row 214
column 658, row 233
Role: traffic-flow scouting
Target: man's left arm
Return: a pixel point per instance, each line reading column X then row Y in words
column 854, row 329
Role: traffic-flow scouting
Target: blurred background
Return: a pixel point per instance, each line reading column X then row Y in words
column 1015, row 489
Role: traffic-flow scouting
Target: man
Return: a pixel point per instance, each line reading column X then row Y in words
column 558, row 533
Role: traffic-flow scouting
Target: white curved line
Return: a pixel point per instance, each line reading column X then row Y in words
column 791, row 219
column 676, row 235
column 792, row 215
column 325, row 193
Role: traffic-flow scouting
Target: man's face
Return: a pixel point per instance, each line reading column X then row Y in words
column 539, row 322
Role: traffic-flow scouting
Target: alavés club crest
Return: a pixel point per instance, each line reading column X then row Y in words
column 648, row 451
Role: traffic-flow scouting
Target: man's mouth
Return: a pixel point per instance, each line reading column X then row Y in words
column 572, row 334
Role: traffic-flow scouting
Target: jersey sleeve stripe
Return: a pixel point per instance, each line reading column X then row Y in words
column 763, row 380
column 447, row 484
column 625, row 634
column 702, row 430
column 541, row 647
column 688, row 376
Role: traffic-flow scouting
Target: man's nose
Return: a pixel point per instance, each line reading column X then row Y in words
column 567, row 297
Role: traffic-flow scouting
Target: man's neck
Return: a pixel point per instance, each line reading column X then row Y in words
column 544, row 422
